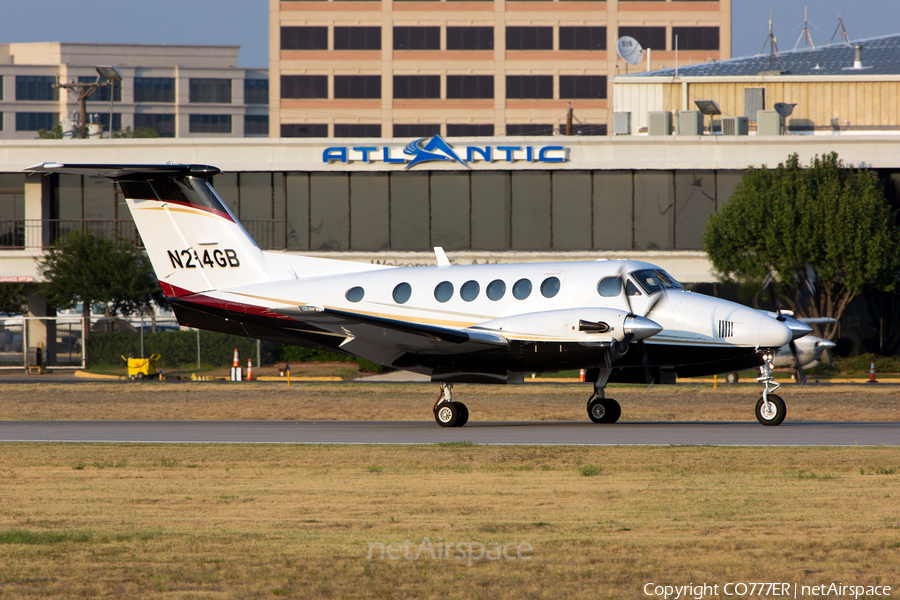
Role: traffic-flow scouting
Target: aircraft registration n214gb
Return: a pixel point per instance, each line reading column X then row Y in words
column 622, row 321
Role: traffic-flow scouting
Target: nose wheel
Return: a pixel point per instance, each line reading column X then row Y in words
column 448, row 413
column 603, row 410
column 770, row 408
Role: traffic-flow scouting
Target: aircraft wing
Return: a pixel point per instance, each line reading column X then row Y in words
column 403, row 336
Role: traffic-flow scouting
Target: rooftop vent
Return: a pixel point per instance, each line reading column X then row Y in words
column 857, row 57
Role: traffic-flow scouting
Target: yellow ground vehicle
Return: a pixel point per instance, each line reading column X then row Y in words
column 142, row 368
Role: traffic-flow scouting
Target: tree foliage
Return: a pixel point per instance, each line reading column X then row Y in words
column 87, row 268
column 825, row 224
column 13, row 297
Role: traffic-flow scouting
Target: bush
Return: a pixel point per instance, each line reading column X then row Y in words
column 859, row 365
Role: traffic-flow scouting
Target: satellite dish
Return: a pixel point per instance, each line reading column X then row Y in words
column 629, row 50
column 784, row 109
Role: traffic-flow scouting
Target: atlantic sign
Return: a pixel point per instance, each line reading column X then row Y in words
column 436, row 149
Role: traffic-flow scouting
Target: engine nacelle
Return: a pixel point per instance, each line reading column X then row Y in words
column 575, row 325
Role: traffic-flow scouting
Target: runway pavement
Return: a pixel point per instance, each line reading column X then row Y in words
column 427, row 432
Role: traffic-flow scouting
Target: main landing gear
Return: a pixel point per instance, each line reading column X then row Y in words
column 600, row 408
column 770, row 408
column 448, row 413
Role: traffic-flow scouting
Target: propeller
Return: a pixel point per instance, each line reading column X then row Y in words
column 770, row 283
column 622, row 347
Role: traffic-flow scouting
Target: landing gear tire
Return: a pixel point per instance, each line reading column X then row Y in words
column 463, row 417
column 604, row 410
column 447, row 414
column 775, row 413
column 731, row 378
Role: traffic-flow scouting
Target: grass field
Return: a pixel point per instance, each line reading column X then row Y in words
column 217, row 521
column 355, row 401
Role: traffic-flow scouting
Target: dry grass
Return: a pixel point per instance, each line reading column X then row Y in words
column 275, row 401
column 261, row 521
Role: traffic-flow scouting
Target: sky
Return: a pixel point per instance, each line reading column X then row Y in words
column 246, row 22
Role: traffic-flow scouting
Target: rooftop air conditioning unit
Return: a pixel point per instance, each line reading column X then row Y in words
column 690, row 122
column 735, row 125
column 660, row 123
column 622, row 123
column 768, row 122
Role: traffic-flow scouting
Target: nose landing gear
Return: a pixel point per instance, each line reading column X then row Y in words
column 770, row 408
column 600, row 408
column 448, row 413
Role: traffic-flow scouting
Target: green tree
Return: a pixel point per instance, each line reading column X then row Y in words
column 13, row 297
column 826, row 225
column 87, row 268
column 137, row 132
column 56, row 133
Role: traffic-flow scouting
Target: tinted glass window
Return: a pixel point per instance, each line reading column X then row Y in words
column 210, row 90
column 609, row 287
column 417, row 38
column 164, row 125
column 36, row 87
column 582, row 86
column 102, row 94
column 154, row 89
column 522, row 289
column 443, row 291
column 529, row 86
column 256, row 91
column 696, row 38
column 582, row 38
column 529, row 38
column 417, row 86
column 469, row 129
column 304, row 130
column 357, row 38
column 210, row 124
column 470, row 38
column 357, row 86
column 402, row 293
column 416, row 129
column 496, row 289
column 529, row 129
column 652, row 281
column 361, row 130
column 355, row 294
column 631, row 289
column 648, row 37
column 550, row 287
column 304, row 38
column 256, row 125
column 469, row 290
column 304, row 86
column 33, row 121
column 470, row 86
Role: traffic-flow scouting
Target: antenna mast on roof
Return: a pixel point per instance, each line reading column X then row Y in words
column 774, row 62
column 840, row 31
column 805, row 33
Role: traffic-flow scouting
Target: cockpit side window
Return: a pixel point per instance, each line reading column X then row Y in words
column 652, row 281
column 631, row 289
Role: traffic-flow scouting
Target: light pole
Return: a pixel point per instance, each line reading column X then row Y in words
column 84, row 90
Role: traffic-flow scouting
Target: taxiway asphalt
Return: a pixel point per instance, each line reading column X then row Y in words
column 427, row 432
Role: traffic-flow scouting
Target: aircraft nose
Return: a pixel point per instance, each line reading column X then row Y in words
column 641, row 327
column 773, row 333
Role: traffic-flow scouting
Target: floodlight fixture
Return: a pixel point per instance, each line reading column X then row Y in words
column 708, row 107
column 109, row 72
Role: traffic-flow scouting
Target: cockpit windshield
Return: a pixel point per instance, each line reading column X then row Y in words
column 653, row 280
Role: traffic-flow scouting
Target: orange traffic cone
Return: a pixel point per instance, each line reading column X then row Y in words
column 872, row 372
column 249, row 370
column 581, row 376
column 236, row 367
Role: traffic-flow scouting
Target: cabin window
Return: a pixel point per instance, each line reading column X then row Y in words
column 550, row 287
column 355, row 294
column 402, row 293
column 522, row 289
column 496, row 289
column 443, row 292
column 469, row 290
column 609, row 287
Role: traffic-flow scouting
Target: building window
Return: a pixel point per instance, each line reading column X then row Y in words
column 696, row 38
column 212, row 91
column 304, row 86
column 357, row 130
column 304, row 38
column 1, row 92
column 102, row 93
column 416, row 130
column 529, row 38
column 582, row 86
column 357, row 38
column 256, row 91
column 470, row 38
column 470, row 86
column 210, row 124
column 256, row 125
column 319, row 130
column 529, row 129
column 470, row 130
column 357, row 86
column 33, row 121
column 34, row 87
column 164, row 125
column 154, row 89
column 529, row 86
column 648, row 37
column 417, row 86
column 1, row 114
column 417, row 38
column 588, row 129
column 582, row 38
column 103, row 119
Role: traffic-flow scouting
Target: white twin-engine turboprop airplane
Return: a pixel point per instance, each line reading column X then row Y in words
column 622, row 321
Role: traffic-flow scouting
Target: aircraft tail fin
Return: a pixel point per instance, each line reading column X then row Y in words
column 194, row 242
